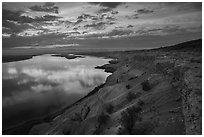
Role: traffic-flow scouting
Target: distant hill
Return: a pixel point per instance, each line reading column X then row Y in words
column 194, row 45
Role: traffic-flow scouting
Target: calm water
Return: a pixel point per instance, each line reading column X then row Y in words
column 43, row 84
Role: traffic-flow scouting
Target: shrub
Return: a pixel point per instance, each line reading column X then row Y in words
column 132, row 96
column 146, row 85
column 128, row 119
column 80, row 116
column 110, row 108
column 77, row 117
column 128, row 86
column 141, row 102
column 66, row 132
column 143, row 128
column 131, row 78
column 103, row 118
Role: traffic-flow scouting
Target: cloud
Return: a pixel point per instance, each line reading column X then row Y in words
column 114, row 12
column 41, row 88
column 130, row 26
column 185, row 6
column 107, row 4
column 13, row 27
column 13, row 22
column 47, row 7
column 113, row 33
column 116, row 32
column 103, row 10
column 11, row 15
column 17, row 16
column 110, row 18
column 165, row 30
column 85, row 16
column 138, row 13
column 135, row 16
column 144, row 11
column 98, row 26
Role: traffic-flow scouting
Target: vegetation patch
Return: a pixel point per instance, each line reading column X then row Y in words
column 110, row 108
column 146, row 85
column 128, row 86
column 102, row 121
column 128, row 119
column 141, row 102
column 131, row 96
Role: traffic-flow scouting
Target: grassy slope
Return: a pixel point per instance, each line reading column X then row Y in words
column 170, row 101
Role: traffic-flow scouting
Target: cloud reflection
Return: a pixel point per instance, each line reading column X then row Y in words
column 45, row 74
column 45, row 83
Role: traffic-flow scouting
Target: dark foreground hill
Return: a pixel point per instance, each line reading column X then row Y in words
column 155, row 92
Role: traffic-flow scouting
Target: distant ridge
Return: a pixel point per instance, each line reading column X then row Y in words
column 193, row 45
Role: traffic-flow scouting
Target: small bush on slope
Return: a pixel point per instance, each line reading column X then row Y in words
column 128, row 119
column 132, row 96
column 128, row 86
column 110, row 108
column 146, row 85
column 141, row 102
column 102, row 120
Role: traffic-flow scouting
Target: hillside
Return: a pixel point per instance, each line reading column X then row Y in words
column 153, row 92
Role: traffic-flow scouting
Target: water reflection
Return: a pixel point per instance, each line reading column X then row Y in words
column 40, row 85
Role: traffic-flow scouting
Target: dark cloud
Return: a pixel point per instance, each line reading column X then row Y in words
column 114, row 12
column 78, row 21
column 104, row 10
column 173, row 30
column 144, row 11
column 119, row 27
column 16, row 16
column 111, row 18
column 44, row 39
column 12, row 27
column 95, row 18
column 103, row 15
column 162, row 30
column 13, row 21
column 86, row 16
column 107, row 4
column 75, row 28
column 135, row 16
column 73, row 33
column 138, row 13
column 111, row 23
column 184, row 6
column 129, row 26
column 119, row 32
column 11, row 15
column 84, row 32
column 113, row 33
column 191, row 6
column 47, row 7
column 98, row 26
column 46, row 18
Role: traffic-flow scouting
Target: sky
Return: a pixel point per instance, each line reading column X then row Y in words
column 99, row 24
